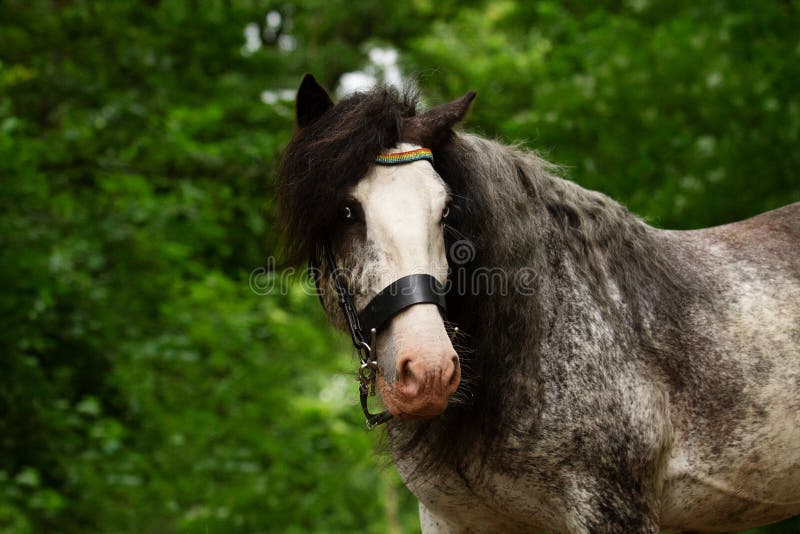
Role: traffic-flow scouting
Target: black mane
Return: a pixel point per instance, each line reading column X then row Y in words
column 327, row 157
column 587, row 252
column 518, row 215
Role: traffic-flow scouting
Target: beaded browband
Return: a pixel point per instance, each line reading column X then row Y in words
column 405, row 157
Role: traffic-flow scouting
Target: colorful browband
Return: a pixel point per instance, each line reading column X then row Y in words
column 405, row 157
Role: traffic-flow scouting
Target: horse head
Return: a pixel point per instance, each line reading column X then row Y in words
column 359, row 194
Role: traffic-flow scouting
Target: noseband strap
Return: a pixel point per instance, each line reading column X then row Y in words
column 399, row 295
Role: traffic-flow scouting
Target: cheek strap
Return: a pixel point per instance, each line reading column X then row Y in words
column 399, row 295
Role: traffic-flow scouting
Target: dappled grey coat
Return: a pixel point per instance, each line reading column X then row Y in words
column 645, row 379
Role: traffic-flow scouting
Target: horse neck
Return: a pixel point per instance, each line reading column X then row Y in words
column 593, row 264
column 520, row 215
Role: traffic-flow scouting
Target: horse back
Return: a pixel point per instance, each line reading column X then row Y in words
column 768, row 241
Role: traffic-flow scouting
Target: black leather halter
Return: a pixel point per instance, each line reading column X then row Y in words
column 399, row 295
column 394, row 298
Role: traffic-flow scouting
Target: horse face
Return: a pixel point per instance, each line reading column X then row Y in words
column 393, row 227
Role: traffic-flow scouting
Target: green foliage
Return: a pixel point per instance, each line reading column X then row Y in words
column 143, row 385
column 687, row 112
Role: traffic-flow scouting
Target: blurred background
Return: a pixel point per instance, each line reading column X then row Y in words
column 144, row 385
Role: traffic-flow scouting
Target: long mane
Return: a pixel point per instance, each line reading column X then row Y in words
column 520, row 217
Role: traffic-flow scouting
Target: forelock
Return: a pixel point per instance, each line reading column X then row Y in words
column 328, row 157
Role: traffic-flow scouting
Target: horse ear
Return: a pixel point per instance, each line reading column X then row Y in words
column 312, row 101
column 432, row 124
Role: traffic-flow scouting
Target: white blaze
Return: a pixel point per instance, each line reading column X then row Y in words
column 403, row 207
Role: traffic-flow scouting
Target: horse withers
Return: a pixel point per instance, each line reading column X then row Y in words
column 607, row 376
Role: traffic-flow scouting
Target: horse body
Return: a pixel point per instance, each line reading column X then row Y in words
column 629, row 379
column 715, row 470
column 692, row 429
column 742, row 466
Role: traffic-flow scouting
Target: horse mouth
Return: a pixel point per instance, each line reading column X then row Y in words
column 412, row 409
column 416, row 417
column 420, row 415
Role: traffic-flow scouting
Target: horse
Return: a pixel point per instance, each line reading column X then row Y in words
column 607, row 376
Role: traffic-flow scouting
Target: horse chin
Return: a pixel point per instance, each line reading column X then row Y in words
column 410, row 409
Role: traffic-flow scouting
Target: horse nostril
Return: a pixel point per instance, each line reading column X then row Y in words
column 418, row 376
column 406, row 378
column 403, row 369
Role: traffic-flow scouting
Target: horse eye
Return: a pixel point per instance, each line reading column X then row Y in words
column 446, row 212
column 347, row 213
